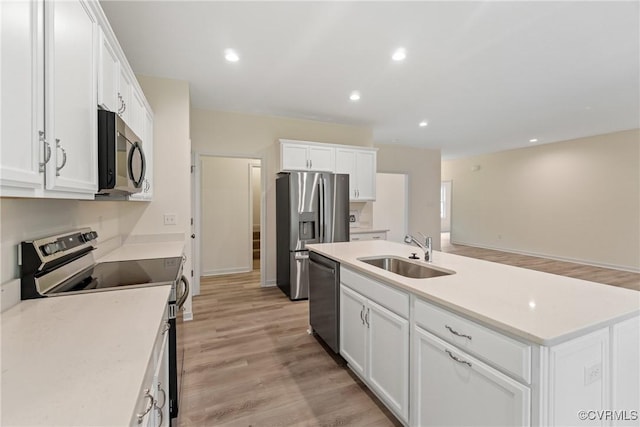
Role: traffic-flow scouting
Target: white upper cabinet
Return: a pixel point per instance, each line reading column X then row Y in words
column 108, row 75
column 137, row 114
column 300, row 156
column 49, row 134
column 60, row 62
column 124, row 95
column 360, row 164
column 22, row 105
column 70, row 96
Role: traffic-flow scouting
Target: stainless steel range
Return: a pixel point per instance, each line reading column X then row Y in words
column 64, row 264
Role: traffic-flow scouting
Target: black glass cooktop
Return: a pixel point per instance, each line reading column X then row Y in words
column 118, row 274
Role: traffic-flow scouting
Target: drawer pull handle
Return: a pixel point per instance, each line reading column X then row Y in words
column 457, row 359
column 454, row 332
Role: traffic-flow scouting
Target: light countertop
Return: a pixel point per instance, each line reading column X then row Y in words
column 78, row 360
column 539, row 307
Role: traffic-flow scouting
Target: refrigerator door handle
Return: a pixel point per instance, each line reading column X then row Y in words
column 321, row 209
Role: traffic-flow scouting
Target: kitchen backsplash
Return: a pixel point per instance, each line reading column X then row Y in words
column 362, row 213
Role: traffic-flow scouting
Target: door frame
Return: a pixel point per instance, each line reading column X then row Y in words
column 197, row 210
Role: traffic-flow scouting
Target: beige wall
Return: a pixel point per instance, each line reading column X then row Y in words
column 26, row 219
column 226, row 227
column 234, row 134
column 423, row 167
column 575, row 200
column 170, row 102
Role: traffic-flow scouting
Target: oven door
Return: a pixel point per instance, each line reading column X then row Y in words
column 176, row 349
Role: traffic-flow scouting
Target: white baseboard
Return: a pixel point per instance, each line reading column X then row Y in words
column 233, row 270
column 553, row 257
column 270, row 283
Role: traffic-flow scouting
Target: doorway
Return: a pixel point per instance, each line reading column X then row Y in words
column 229, row 216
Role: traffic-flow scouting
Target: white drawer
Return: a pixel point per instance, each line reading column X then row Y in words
column 388, row 297
column 504, row 352
column 368, row 236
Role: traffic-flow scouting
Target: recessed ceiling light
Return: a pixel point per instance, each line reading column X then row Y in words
column 355, row 95
column 231, row 55
column 423, row 123
column 532, row 140
column 399, row 54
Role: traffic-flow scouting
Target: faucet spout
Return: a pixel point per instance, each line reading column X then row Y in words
column 426, row 246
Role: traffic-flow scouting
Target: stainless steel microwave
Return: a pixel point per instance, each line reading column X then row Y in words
column 121, row 161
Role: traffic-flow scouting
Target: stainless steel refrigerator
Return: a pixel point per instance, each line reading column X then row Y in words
column 311, row 207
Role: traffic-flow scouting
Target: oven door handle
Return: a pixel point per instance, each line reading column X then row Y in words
column 185, row 294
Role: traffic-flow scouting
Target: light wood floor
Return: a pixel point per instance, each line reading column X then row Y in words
column 250, row 362
column 607, row 276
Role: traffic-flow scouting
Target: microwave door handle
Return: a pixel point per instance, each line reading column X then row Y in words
column 137, row 181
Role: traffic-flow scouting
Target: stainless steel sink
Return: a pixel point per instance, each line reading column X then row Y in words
column 405, row 267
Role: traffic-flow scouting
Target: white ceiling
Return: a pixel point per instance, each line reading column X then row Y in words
column 487, row 76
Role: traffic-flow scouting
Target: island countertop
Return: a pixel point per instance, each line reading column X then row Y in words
column 538, row 307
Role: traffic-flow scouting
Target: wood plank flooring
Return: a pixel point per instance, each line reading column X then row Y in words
column 607, row 276
column 250, row 362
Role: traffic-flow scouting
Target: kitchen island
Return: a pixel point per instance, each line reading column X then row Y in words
column 519, row 346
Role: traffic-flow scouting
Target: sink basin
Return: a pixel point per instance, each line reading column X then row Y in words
column 405, row 267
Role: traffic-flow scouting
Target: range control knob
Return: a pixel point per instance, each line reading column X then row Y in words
column 91, row 235
column 50, row 248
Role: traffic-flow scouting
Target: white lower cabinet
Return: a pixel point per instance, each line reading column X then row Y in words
column 455, row 371
column 452, row 388
column 375, row 343
column 152, row 407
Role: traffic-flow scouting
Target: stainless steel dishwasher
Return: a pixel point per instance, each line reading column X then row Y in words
column 324, row 299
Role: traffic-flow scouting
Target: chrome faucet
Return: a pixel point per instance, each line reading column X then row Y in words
column 426, row 247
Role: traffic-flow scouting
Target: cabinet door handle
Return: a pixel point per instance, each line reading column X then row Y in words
column 457, row 359
column 160, row 415
column 454, row 332
column 362, row 315
column 120, row 110
column 47, row 154
column 64, row 157
column 366, row 318
column 147, row 394
column 164, row 397
column 310, row 163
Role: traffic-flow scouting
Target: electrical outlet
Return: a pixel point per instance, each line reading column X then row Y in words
column 592, row 373
column 170, row 219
